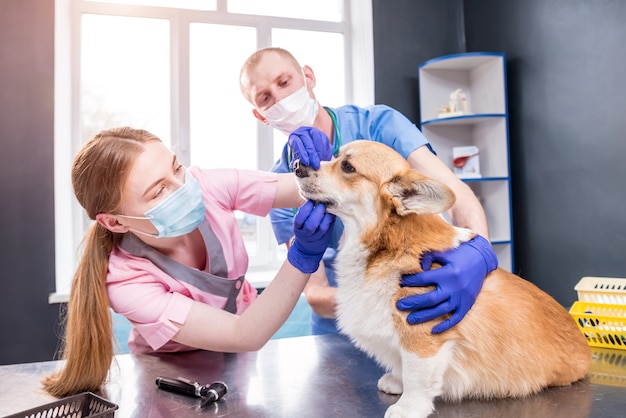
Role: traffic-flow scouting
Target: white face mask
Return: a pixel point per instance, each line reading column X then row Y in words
column 296, row 110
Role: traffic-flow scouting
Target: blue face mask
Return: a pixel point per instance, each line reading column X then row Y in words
column 179, row 213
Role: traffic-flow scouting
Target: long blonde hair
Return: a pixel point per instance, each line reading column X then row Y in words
column 99, row 173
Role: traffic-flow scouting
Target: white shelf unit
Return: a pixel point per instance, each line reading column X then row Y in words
column 482, row 77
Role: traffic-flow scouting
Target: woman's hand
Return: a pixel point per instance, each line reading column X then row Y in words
column 312, row 228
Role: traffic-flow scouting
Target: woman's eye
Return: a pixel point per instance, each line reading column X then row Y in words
column 159, row 191
column 347, row 167
column 178, row 168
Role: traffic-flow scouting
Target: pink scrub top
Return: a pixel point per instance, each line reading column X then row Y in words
column 152, row 300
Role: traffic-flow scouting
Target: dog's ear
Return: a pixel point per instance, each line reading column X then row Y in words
column 413, row 193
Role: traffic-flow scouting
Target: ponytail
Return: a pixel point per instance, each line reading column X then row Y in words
column 99, row 172
column 88, row 342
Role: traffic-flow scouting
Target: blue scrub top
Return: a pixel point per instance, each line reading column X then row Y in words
column 378, row 123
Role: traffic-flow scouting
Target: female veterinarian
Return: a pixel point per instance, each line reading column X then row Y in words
column 166, row 252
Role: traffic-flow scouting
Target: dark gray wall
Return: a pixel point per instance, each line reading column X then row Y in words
column 567, row 104
column 27, row 321
column 407, row 33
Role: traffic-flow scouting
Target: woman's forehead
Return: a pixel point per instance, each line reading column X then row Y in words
column 154, row 162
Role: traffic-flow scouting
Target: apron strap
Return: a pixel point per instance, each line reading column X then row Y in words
column 207, row 282
column 217, row 260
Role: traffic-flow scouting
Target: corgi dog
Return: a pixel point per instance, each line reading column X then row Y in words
column 515, row 341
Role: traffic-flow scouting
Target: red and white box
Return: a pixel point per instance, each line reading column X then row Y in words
column 465, row 162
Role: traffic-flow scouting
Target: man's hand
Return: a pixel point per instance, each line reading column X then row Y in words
column 310, row 146
column 457, row 283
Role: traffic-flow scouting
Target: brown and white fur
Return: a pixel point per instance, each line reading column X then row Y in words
column 515, row 341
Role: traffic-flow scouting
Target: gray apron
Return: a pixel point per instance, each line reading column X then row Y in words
column 213, row 282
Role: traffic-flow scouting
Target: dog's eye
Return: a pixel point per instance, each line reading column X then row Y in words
column 347, row 167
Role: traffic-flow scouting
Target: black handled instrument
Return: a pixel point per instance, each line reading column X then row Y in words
column 209, row 393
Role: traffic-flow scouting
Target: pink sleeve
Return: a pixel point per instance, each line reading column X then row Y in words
column 158, row 333
column 153, row 302
column 257, row 192
column 249, row 191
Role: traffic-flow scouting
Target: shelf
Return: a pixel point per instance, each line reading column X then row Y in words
column 479, row 75
column 465, row 61
column 494, row 197
column 504, row 252
column 464, row 120
column 488, row 134
column 482, row 78
column 481, row 179
column 500, row 242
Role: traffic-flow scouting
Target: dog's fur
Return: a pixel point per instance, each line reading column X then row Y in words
column 515, row 341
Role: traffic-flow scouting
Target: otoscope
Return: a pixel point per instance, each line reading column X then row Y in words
column 209, row 393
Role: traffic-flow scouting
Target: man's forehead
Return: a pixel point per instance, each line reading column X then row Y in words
column 274, row 57
column 272, row 65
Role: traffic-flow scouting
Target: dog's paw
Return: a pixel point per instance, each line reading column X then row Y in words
column 403, row 409
column 390, row 384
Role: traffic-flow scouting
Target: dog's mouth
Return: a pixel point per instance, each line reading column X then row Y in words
column 329, row 203
column 317, row 197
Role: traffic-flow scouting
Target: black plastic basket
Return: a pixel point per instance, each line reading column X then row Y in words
column 83, row 405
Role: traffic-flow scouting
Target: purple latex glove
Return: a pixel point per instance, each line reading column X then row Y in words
column 457, row 282
column 310, row 146
column 312, row 228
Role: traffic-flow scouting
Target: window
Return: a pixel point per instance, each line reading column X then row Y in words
column 172, row 67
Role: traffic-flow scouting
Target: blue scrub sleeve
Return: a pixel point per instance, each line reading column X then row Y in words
column 282, row 224
column 380, row 123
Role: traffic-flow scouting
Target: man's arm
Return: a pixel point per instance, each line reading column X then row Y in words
column 467, row 211
column 320, row 295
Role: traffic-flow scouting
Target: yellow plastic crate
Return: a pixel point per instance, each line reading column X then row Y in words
column 602, row 324
column 607, row 290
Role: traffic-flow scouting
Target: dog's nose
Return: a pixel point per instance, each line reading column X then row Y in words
column 300, row 170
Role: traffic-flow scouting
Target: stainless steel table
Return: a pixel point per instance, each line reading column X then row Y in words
column 320, row 376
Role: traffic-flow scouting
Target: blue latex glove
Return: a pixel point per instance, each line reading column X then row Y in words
column 310, row 146
column 457, row 282
column 312, row 228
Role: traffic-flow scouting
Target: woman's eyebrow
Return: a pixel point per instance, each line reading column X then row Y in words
column 151, row 186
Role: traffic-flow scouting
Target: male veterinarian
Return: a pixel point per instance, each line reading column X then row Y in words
column 281, row 92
